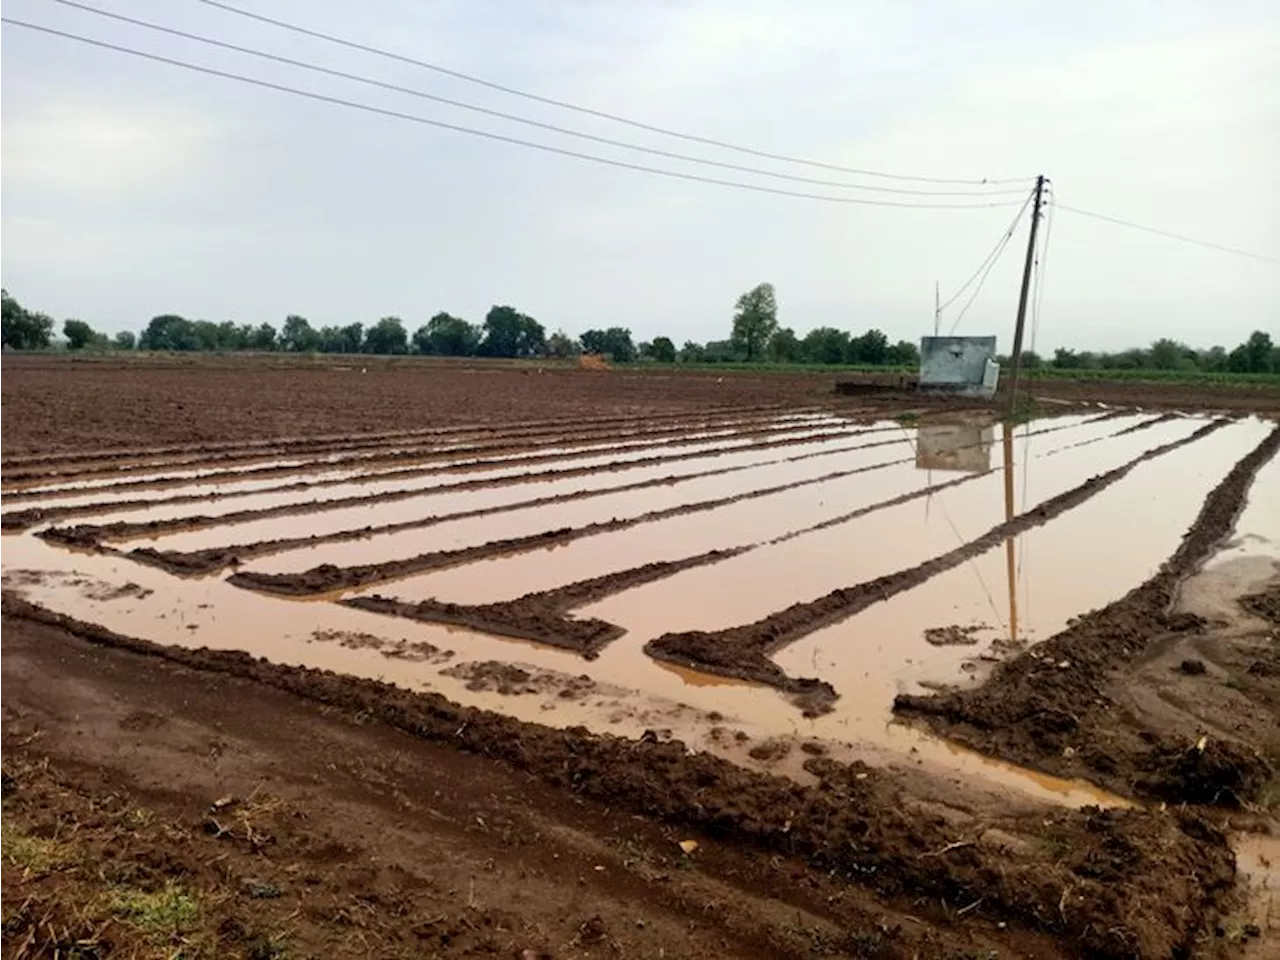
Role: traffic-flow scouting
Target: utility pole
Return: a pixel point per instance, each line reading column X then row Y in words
column 1015, row 359
column 937, row 309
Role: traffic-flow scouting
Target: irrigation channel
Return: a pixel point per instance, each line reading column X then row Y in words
column 759, row 573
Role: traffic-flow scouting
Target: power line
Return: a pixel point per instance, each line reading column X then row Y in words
column 989, row 265
column 533, row 145
column 316, row 68
column 1004, row 239
column 604, row 115
column 1172, row 236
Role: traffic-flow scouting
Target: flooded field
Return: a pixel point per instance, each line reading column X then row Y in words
column 759, row 571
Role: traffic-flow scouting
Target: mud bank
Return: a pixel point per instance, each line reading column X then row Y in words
column 744, row 651
column 541, row 616
column 1118, row 883
column 1051, row 707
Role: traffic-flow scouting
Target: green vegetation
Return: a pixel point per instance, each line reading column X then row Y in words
column 34, row 856
column 756, row 342
column 164, row 914
column 22, row 329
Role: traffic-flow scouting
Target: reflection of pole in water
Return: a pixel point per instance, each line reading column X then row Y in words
column 1009, row 545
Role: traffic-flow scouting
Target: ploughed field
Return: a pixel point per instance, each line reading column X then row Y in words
column 743, row 565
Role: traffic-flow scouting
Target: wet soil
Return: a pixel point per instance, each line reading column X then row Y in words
column 743, row 651
column 542, row 616
column 23, row 519
column 1264, row 604
column 1062, row 707
column 395, row 774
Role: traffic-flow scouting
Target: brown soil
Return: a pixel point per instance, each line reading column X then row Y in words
column 743, row 651
column 1264, row 604
column 18, row 520
column 306, row 814
column 67, row 403
column 375, row 784
column 542, row 616
column 474, row 458
column 372, row 448
column 954, row 635
column 1055, row 707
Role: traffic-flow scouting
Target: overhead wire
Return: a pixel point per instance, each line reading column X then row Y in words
column 988, row 265
column 1004, row 239
column 488, row 135
column 516, row 118
column 1265, row 258
column 589, row 111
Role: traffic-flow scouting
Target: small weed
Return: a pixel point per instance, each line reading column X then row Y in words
column 165, row 913
column 1235, row 684
column 33, row 855
column 907, row 416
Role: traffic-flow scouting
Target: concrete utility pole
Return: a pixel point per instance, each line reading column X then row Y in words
column 1015, row 359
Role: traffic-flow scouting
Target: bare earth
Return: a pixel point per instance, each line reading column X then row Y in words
column 168, row 801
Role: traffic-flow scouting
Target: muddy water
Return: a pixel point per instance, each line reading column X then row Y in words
column 211, row 613
column 630, row 504
column 340, row 464
column 741, row 524
column 336, row 465
column 755, row 584
column 1257, row 532
column 391, row 477
column 1258, row 864
column 1057, row 575
column 432, row 504
column 455, row 534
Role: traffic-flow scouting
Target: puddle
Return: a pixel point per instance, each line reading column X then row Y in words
column 431, row 502
column 753, row 585
column 330, row 484
column 1258, row 868
column 1153, row 506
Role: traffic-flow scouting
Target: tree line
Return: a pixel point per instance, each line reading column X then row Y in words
column 754, row 337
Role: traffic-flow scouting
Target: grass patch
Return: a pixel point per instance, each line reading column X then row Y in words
column 35, row 856
column 164, row 914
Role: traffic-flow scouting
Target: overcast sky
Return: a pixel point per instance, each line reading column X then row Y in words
column 133, row 188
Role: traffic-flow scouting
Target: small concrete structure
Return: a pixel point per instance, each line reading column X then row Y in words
column 964, row 366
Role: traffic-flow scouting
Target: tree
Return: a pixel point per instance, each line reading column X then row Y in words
column 22, row 329
column 755, row 320
column 692, row 352
column 872, row 347
column 298, row 336
column 169, row 332
column 509, row 333
column 79, row 334
column 614, row 343
column 262, row 338
column 784, row 346
column 664, row 351
column 387, row 336
column 561, row 345
column 904, row 353
column 1166, row 354
column 125, row 340
column 447, row 336
column 825, row 345
column 1259, row 351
